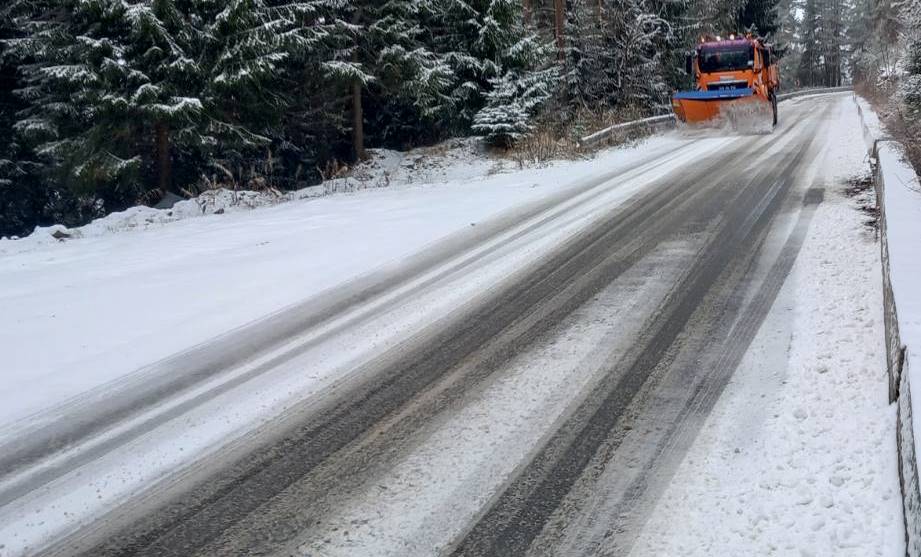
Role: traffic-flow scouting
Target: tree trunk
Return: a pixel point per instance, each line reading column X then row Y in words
column 559, row 9
column 358, row 124
column 527, row 9
column 164, row 158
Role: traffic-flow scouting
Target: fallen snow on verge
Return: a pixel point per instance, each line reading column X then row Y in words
column 799, row 456
column 452, row 161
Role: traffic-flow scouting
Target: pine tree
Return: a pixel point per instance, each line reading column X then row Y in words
column 910, row 88
column 809, row 33
column 121, row 90
column 863, row 65
column 397, row 83
column 79, row 86
column 830, row 41
column 681, row 33
column 412, row 80
column 9, row 105
column 634, row 62
column 527, row 80
column 454, row 27
column 584, row 78
column 559, row 27
column 759, row 17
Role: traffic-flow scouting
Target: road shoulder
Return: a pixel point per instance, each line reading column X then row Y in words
column 799, row 454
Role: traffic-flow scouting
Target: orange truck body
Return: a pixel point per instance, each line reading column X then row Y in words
column 731, row 72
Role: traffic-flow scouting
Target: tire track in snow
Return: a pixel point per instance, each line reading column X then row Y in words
column 518, row 516
column 610, row 526
column 381, row 395
column 83, row 429
column 409, row 369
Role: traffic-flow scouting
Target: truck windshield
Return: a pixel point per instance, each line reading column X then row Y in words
column 725, row 58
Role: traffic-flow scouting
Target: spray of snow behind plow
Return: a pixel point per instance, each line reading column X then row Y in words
column 744, row 118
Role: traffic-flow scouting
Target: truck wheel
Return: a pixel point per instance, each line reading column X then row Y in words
column 774, row 107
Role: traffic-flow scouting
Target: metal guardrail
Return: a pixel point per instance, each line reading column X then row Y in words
column 813, row 91
column 655, row 123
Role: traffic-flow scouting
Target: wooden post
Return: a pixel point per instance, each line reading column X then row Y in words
column 164, row 158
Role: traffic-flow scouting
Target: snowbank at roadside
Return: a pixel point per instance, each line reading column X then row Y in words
column 451, row 161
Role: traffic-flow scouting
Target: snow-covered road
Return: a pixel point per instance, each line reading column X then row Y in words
column 510, row 364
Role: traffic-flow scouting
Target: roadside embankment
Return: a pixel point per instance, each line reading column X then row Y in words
column 899, row 199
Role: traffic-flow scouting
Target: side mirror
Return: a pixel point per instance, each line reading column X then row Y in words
column 689, row 64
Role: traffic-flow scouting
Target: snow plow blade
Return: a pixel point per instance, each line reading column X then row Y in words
column 694, row 107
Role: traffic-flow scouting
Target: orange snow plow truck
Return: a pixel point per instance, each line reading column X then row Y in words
column 736, row 79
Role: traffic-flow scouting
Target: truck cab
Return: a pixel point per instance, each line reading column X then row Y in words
column 737, row 70
column 734, row 64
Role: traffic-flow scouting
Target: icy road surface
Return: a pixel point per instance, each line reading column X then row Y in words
column 671, row 350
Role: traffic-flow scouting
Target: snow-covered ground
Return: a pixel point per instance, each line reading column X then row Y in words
column 136, row 287
column 98, row 301
column 799, row 455
column 451, row 161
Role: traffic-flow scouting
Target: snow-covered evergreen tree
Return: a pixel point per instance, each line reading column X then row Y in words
column 634, row 63
column 471, row 46
column 411, row 79
column 585, row 79
column 527, row 77
column 512, row 104
column 862, row 62
column 910, row 88
column 808, row 71
column 119, row 89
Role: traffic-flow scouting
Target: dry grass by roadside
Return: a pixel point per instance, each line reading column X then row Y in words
column 899, row 127
column 862, row 190
column 556, row 137
column 908, row 134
